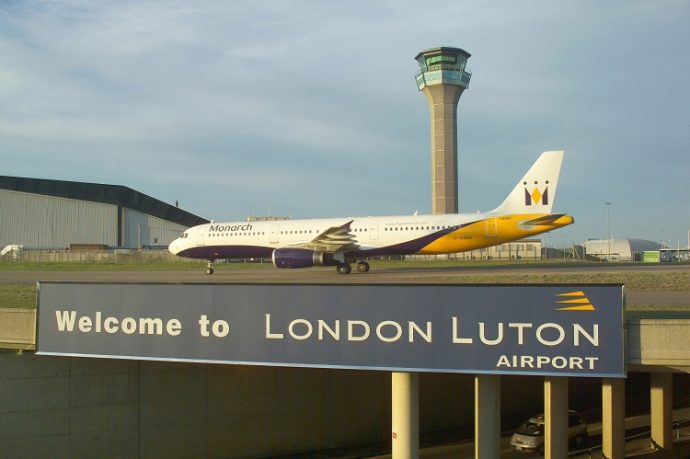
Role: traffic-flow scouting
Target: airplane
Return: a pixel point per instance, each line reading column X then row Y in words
column 338, row 242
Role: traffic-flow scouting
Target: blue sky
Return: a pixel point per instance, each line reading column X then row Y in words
column 310, row 108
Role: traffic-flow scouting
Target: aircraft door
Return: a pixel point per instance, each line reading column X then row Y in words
column 491, row 227
column 373, row 231
column 275, row 231
column 200, row 238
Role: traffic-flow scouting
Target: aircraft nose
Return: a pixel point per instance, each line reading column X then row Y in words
column 174, row 246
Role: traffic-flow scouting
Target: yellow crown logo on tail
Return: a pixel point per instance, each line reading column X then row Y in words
column 578, row 300
column 536, row 196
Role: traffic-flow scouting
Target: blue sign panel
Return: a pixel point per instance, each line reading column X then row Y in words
column 568, row 330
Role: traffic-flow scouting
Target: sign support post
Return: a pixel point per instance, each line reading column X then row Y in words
column 613, row 417
column 661, row 393
column 487, row 416
column 555, row 417
column 405, row 415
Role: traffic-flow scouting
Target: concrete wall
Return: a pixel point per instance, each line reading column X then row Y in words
column 661, row 343
column 79, row 407
column 71, row 407
column 17, row 328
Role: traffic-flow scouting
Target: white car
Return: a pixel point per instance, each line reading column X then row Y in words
column 530, row 435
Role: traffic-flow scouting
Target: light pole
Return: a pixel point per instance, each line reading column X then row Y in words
column 608, row 228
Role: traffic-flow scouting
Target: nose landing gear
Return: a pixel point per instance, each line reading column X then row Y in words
column 209, row 267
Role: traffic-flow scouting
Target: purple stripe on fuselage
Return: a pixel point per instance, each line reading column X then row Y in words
column 220, row 252
column 407, row 247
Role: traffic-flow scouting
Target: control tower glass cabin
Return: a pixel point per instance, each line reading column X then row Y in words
column 442, row 78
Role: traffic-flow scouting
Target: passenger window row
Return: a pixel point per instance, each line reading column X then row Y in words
column 235, row 234
column 421, row 228
column 354, row 230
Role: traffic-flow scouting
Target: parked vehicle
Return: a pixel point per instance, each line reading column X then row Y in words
column 530, row 435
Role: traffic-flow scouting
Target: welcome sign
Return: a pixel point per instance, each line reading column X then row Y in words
column 568, row 330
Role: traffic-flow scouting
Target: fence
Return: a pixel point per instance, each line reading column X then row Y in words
column 105, row 256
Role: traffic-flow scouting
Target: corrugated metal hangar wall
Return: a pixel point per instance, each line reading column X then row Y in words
column 48, row 222
column 54, row 214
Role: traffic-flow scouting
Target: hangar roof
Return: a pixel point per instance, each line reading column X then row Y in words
column 108, row 194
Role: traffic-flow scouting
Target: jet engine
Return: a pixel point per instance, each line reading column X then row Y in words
column 301, row 258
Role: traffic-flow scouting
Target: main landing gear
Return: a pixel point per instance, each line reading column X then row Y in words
column 209, row 268
column 345, row 268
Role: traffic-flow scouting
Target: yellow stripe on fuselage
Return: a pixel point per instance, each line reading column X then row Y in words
column 492, row 231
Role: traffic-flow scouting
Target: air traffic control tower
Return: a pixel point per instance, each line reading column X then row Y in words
column 443, row 78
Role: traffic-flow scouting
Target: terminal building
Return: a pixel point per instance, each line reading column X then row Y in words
column 524, row 249
column 58, row 214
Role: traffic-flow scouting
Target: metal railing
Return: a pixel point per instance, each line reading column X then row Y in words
column 644, row 434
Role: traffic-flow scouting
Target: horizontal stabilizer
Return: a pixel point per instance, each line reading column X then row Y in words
column 545, row 220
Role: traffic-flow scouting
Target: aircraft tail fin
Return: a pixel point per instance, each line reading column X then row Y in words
column 535, row 192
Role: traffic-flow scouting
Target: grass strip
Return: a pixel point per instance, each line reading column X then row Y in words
column 24, row 296
column 17, row 296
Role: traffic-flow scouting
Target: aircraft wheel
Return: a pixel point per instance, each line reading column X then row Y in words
column 209, row 271
column 344, row 268
column 362, row 267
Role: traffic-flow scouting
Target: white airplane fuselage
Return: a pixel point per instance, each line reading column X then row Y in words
column 392, row 235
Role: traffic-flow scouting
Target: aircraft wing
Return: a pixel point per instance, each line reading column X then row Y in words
column 336, row 238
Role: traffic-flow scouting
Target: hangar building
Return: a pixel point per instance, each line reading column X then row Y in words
column 619, row 249
column 58, row 214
